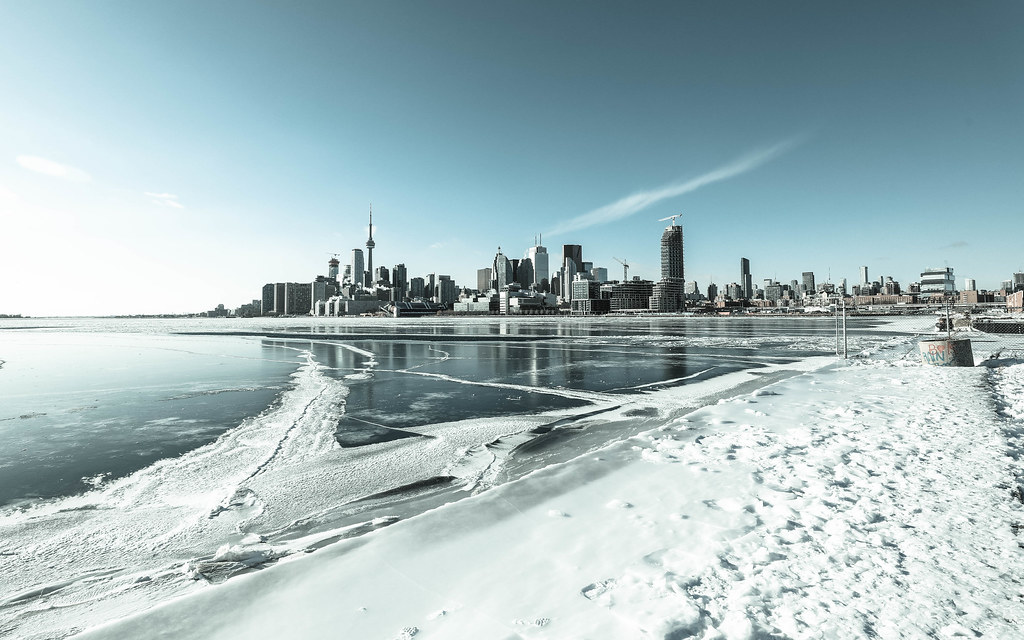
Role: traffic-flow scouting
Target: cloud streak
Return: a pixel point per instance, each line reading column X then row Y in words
column 55, row 169
column 639, row 201
column 165, row 199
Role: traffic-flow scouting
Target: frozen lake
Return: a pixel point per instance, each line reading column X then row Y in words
column 132, row 450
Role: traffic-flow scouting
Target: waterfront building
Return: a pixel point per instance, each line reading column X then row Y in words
column 631, row 295
column 712, row 291
column 937, row 282
column 268, row 299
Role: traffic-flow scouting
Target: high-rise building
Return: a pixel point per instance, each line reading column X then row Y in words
column 599, row 274
column 358, row 276
column 501, row 271
column 268, row 299
column 370, row 244
column 808, row 282
column 538, row 255
column 1018, row 281
column 672, row 253
column 430, row 286
column 573, row 252
column 746, row 281
column 399, row 282
column 970, row 284
column 668, row 295
column 446, row 292
column 712, row 291
column 332, row 268
column 416, row 288
column 525, row 276
column 864, row 276
column 483, row 279
column 566, row 276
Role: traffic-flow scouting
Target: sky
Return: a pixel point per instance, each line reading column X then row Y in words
column 168, row 157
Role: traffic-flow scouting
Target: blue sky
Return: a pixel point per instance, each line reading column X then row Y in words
column 166, row 157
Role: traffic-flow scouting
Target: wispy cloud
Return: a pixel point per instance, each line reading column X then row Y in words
column 51, row 168
column 165, row 200
column 639, row 201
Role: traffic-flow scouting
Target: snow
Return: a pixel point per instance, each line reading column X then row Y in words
column 870, row 499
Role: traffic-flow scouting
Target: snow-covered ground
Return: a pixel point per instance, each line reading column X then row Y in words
column 876, row 498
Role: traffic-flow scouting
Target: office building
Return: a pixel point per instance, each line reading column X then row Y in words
column 483, row 279
column 864, row 276
column 538, row 255
column 399, row 282
column 446, row 292
column 524, row 275
column 807, row 286
column 937, row 282
column 358, row 277
column 416, row 287
column 501, row 271
column 746, row 280
column 573, row 252
column 970, row 284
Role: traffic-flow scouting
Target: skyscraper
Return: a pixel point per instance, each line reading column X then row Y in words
column 808, row 282
column 672, row 253
column 501, row 271
column 358, row 277
column 668, row 295
column 332, row 268
column 864, row 276
column 746, row 282
column 370, row 244
column 538, row 255
column 573, row 252
column 483, row 279
column 399, row 282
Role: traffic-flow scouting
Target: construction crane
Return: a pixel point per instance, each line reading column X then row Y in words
column 672, row 218
column 625, row 268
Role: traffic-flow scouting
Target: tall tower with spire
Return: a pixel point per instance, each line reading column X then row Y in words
column 370, row 244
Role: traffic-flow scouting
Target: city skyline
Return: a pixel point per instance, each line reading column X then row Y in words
column 162, row 163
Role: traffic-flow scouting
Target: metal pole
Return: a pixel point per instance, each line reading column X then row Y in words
column 845, row 342
column 836, row 307
column 949, row 325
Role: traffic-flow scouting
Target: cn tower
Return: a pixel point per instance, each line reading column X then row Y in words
column 370, row 244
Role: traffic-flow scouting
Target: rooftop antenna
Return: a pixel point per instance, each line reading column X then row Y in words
column 672, row 218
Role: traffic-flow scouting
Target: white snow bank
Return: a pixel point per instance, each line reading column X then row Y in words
column 872, row 500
